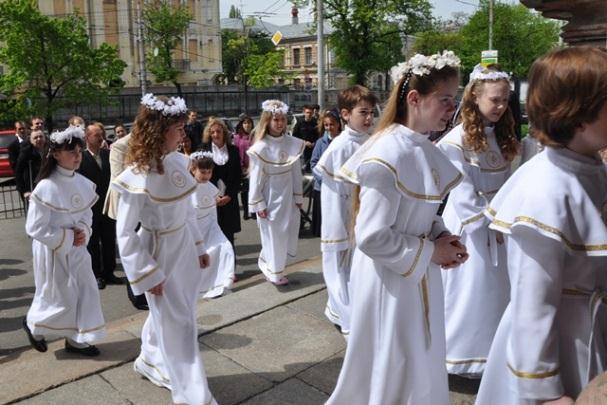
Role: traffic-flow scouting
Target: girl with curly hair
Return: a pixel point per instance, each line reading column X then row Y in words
column 164, row 258
column 482, row 148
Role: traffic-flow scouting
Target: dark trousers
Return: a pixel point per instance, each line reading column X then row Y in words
column 244, row 198
column 316, row 216
column 102, row 246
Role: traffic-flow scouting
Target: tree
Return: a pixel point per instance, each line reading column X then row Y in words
column 431, row 42
column 519, row 35
column 251, row 55
column 165, row 25
column 50, row 62
column 234, row 12
column 368, row 34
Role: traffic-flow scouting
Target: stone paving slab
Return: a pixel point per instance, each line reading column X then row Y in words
column 323, row 376
column 290, row 392
column 277, row 344
column 313, row 304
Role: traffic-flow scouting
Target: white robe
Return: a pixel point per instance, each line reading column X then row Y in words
column 550, row 340
column 276, row 184
column 218, row 278
column 476, row 292
column 165, row 250
column 336, row 243
column 396, row 347
column 66, row 302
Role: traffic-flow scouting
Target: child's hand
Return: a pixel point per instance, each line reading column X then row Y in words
column 156, row 290
column 204, row 261
column 449, row 252
column 499, row 237
column 299, row 205
column 221, row 201
column 79, row 237
column 564, row 400
column 262, row 214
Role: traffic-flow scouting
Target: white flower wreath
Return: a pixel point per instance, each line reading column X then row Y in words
column 422, row 65
column 480, row 73
column 175, row 105
column 201, row 154
column 275, row 107
column 59, row 137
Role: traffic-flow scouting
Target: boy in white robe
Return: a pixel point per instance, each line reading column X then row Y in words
column 553, row 211
column 356, row 106
column 275, row 189
column 396, row 347
column 218, row 278
column 165, row 258
column 66, row 301
column 482, row 148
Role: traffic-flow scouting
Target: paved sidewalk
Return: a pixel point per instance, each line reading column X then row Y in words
column 260, row 345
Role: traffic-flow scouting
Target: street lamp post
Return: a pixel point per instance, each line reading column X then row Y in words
column 490, row 25
column 320, row 54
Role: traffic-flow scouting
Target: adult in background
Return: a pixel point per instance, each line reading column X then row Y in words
column 21, row 136
column 307, row 131
column 193, row 130
column 226, row 175
column 243, row 139
column 95, row 166
column 37, row 123
column 28, row 164
column 117, row 165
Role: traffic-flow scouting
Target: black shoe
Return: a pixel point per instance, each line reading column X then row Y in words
column 39, row 345
column 89, row 351
column 114, row 280
column 100, row 283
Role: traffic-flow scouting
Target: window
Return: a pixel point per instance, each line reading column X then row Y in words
column 296, row 54
column 308, row 56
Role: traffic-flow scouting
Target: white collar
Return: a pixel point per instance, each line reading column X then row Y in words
column 65, row 172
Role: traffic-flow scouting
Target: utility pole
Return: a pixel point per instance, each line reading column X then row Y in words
column 490, row 25
column 141, row 48
column 320, row 54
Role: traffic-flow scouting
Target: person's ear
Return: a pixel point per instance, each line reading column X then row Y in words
column 413, row 98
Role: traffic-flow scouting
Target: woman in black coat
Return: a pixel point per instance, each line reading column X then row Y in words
column 226, row 175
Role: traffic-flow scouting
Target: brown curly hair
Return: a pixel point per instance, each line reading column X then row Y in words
column 148, row 136
column 474, row 129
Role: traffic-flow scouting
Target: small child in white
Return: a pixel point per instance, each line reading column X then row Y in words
column 218, row 278
column 66, row 302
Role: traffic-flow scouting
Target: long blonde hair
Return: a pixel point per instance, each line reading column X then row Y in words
column 474, row 129
column 146, row 143
column 263, row 126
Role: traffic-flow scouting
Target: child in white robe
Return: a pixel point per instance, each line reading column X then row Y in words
column 482, row 147
column 553, row 211
column 356, row 106
column 166, row 256
column 218, row 278
column 396, row 347
column 66, row 301
column 275, row 189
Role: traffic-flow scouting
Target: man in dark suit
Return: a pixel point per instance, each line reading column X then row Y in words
column 95, row 166
column 21, row 135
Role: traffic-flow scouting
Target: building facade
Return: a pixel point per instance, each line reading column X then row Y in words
column 115, row 22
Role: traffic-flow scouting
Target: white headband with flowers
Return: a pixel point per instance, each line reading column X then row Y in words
column 59, row 137
column 422, row 65
column 275, row 107
column 480, row 73
column 174, row 106
column 201, row 155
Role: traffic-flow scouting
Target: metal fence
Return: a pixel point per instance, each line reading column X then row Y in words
column 11, row 204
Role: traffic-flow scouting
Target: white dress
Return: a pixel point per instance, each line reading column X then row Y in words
column 476, row 292
column 550, row 340
column 165, row 250
column 218, row 278
column 336, row 243
column 66, row 302
column 276, row 184
column 396, row 347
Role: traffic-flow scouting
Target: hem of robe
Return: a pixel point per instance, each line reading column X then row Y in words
column 269, row 274
column 471, row 368
column 218, row 290
column 90, row 335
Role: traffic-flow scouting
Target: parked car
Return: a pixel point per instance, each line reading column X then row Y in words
column 6, row 138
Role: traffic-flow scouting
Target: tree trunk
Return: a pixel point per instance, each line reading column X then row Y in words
column 178, row 87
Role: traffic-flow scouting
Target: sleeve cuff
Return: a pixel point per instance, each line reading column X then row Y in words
column 538, row 384
column 201, row 247
column 146, row 279
column 298, row 198
column 414, row 269
column 66, row 242
column 256, row 206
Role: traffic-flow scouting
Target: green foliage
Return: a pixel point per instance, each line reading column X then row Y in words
column 519, row 35
column 48, row 58
column 165, row 25
column 234, row 12
column 431, row 42
column 368, row 34
column 253, row 58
